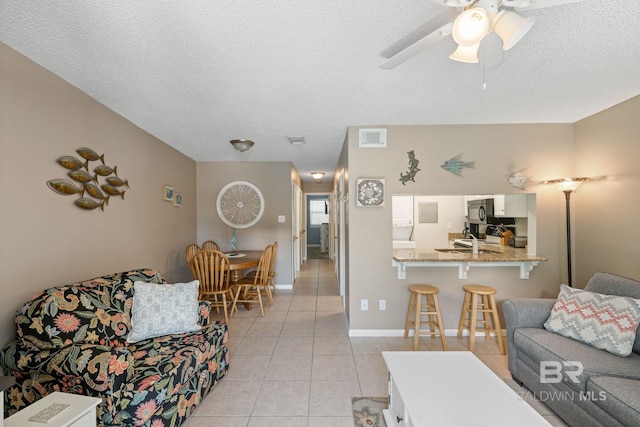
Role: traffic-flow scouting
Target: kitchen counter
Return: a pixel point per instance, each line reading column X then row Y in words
column 489, row 256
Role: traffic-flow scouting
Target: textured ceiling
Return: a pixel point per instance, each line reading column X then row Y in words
column 198, row 73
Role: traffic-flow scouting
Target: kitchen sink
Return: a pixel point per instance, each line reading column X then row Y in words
column 467, row 251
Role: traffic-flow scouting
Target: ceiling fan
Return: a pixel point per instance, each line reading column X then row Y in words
column 483, row 30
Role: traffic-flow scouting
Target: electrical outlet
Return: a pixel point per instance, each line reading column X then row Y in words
column 382, row 304
column 364, row 304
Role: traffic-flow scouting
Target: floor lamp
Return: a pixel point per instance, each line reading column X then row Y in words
column 568, row 186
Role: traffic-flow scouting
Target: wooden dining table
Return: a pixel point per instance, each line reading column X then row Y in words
column 240, row 261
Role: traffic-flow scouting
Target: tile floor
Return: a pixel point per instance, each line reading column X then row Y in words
column 297, row 366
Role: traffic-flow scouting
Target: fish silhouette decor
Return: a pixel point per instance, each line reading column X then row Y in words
column 92, row 193
column 456, row 164
column 413, row 169
column 518, row 179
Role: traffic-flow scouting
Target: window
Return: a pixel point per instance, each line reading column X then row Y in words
column 318, row 212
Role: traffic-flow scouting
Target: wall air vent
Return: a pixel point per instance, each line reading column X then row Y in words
column 373, row 138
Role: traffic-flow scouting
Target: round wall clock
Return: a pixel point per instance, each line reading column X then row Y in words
column 240, row 204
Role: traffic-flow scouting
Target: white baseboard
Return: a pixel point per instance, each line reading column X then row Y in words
column 400, row 333
column 284, row 286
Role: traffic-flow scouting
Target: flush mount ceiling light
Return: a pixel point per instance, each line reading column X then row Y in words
column 470, row 28
column 317, row 175
column 241, row 145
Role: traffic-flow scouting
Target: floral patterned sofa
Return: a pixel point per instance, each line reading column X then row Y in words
column 73, row 339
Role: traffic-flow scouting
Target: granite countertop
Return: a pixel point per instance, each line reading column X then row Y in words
column 488, row 253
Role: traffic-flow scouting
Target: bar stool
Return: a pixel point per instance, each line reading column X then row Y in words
column 485, row 305
column 418, row 308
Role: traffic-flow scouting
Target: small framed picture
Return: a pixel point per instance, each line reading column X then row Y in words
column 177, row 200
column 168, row 193
column 370, row 192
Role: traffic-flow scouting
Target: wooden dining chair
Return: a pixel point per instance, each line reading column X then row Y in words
column 191, row 250
column 272, row 269
column 249, row 289
column 210, row 245
column 211, row 269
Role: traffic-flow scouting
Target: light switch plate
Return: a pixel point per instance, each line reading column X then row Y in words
column 281, row 218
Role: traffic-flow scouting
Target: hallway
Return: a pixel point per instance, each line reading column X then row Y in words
column 295, row 367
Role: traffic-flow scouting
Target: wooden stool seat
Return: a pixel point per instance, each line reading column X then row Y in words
column 486, row 305
column 417, row 308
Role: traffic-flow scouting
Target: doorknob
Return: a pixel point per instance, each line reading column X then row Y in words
column 295, row 238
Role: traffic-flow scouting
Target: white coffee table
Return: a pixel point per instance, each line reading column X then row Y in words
column 451, row 388
column 81, row 413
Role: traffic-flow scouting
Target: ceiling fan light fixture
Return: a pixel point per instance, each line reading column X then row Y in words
column 470, row 26
column 468, row 54
column 511, row 27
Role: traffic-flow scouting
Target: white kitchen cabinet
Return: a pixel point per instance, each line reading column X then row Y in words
column 510, row 205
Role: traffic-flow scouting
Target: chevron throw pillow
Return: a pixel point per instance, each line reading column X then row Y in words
column 607, row 322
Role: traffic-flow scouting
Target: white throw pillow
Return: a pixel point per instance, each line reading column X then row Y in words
column 607, row 322
column 163, row 309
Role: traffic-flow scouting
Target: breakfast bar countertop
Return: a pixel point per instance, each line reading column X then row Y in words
column 463, row 258
column 487, row 253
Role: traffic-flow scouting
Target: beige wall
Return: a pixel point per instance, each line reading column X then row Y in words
column 45, row 240
column 274, row 179
column 317, row 187
column 607, row 228
column 546, row 151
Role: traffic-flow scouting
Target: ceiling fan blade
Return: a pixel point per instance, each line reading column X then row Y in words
column 536, row 4
column 422, row 44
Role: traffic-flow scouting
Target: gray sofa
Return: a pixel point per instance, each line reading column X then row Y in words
column 607, row 392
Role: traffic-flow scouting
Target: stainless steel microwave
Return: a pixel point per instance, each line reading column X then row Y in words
column 479, row 210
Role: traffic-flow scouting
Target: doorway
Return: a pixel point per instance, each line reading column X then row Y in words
column 318, row 229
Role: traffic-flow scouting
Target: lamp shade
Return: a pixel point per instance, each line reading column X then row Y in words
column 568, row 184
column 470, row 26
column 468, row 54
column 512, row 27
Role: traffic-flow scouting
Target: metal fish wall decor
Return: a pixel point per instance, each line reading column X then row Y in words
column 518, row 179
column 413, row 169
column 72, row 163
column 89, row 154
column 455, row 165
column 97, row 193
column 82, row 176
column 64, row 187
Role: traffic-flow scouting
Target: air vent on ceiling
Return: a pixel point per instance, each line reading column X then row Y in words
column 370, row 138
column 296, row 140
